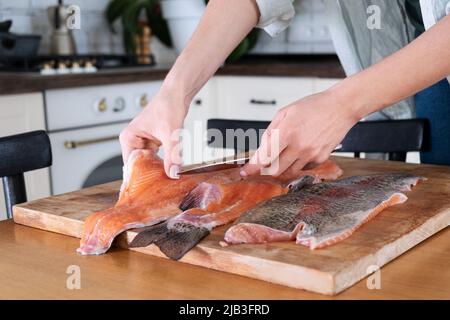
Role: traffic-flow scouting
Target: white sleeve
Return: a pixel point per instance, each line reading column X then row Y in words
column 275, row 15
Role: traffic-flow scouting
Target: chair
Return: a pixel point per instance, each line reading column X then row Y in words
column 18, row 154
column 395, row 137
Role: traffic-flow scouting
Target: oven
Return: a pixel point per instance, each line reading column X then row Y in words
column 84, row 126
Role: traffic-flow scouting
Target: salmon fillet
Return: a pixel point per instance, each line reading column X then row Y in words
column 320, row 215
column 147, row 196
column 204, row 200
column 216, row 203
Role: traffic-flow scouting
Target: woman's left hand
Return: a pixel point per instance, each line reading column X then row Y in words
column 303, row 133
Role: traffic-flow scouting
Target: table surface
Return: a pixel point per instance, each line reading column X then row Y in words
column 34, row 265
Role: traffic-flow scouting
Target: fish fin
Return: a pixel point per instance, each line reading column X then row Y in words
column 149, row 235
column 177, row 241
column 300, row 183
column 201, row 196
column 174, row 242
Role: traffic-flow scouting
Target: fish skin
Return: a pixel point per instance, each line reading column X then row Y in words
column 174, row 242
column 318, row 216
column 212, row 204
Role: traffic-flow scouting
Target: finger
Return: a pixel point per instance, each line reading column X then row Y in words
column 294, row 171
column 269, row 150
column 311, row 165
column 129, row 142
column 281, row 164
column 172, row 154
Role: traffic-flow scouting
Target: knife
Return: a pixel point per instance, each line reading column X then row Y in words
column 218, row 164
column 234, row 161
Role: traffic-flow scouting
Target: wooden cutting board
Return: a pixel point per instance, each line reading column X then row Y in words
column 326, row 271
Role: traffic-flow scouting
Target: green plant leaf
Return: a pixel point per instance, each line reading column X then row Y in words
column 239, row 51
column 130, row 18
column 157, row 23
column 115, row 10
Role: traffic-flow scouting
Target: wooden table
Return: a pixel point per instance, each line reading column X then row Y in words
column 33, row 265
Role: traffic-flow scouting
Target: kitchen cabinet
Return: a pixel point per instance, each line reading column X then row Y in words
column 20, row 113
column 259, row 98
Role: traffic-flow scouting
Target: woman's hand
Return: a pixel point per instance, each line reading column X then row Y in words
column 303, row 133
column 158, row 125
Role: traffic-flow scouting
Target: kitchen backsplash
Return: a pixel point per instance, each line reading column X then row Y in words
column 307, row 34
column 30, row 16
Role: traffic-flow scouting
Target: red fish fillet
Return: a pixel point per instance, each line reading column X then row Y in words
column 321, row 215
column 148, row 197
column 217, row 203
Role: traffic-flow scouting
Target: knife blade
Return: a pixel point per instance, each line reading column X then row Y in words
column 234, row 161
column 218, row 164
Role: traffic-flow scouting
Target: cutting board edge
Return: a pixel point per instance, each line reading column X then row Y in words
column 35, row 219
column 221, row 260
column 388, row 253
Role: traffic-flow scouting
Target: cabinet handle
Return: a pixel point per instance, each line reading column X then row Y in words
column 266, row 102
column 72, row 144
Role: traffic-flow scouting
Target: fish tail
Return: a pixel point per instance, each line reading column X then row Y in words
column 174, row 241
column 149, row 235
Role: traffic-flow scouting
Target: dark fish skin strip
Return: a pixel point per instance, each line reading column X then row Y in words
column 174, row 242
column 149, row 235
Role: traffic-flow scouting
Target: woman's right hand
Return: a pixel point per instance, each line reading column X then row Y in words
column 158, row 125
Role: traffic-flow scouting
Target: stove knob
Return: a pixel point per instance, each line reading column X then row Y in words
column 101, row 105
column 143, row 101
column 119, row 104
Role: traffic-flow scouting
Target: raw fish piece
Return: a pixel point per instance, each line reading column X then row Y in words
column 323, row 214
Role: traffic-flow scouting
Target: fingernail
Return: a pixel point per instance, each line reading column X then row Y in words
column 242, row 173
column 174, row 172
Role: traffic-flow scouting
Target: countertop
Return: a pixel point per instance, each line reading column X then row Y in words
column 327, row 66
column 33, row 265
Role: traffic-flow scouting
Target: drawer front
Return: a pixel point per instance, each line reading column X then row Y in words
column 259, row 98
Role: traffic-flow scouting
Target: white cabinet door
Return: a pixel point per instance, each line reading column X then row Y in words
column 258, row 98
column 18, row 114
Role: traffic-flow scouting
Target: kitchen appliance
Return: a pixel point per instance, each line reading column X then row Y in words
column 61, row 41
column 57, row 64
column 17, row 45
column 84, row 125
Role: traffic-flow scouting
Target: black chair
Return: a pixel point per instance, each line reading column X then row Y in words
column 395, row 137
column 18, row 154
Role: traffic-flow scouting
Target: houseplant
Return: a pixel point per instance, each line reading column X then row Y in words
column 129, row 12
